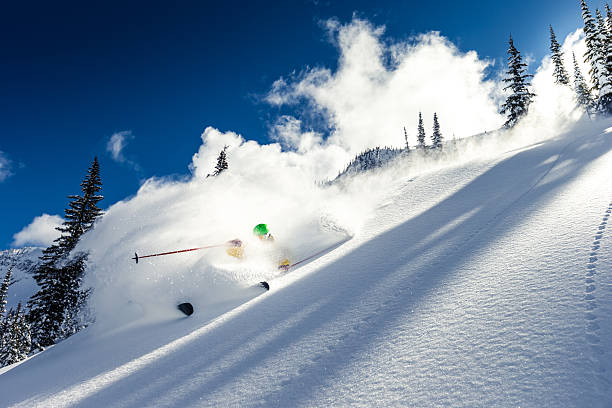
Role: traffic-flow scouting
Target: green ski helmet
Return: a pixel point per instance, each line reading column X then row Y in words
column 260, row 229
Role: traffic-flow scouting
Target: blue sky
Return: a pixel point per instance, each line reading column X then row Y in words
column 74, row 74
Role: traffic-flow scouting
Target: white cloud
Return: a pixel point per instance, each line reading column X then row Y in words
column 116, row 146
column 117, row 143
column 378, row 89
column 41, row 232
column 5, row 167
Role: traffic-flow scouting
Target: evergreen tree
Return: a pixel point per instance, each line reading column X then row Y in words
column 59, row 275
column 436, row 137
column 560, row 74
column 593, row 53
column 4, row 326
column 406, row 139
column 583, row 96
column 517, row 104
column 421, row 133
column 4, row 291
column 16, row 342
column 221, row 163
column 604, row 38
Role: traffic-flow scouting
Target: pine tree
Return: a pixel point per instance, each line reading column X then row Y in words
column 4, row 325
column 560, row 74
column 604, row 38
column 517, row 104
column 59, row 275
column 221, row 163
column 16, row 342
column 436, row 137
column 593, row 53
column 421, row 133
column 4, row 291
column 583, row 96
column 22, row 333
column 406, row 139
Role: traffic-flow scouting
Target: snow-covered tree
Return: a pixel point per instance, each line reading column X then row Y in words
column 16, row 341
column 593, row 53
column 436, row 136
column 560, row 74
column 59, row 274
column 4, row 291
column 517, row 103
column 421, row 133
column 583, row 95
column 605, row 78
column 406, row 139
column 221, row 163
column 4, row 325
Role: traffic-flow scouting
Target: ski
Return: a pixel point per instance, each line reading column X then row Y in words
column 186, row 308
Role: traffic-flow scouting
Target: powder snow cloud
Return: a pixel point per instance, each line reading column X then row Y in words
column 376, row 91
column 379, row 88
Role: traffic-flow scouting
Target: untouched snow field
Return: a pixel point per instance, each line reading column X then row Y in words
column 481, row 284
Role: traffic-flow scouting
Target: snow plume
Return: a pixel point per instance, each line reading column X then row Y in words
column 554, row 108
column 41, row 232
column 263, row 184
column 378, row 89
column 5, row 167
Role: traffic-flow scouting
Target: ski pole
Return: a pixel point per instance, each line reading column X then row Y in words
column 321, row 252
column 234, row 242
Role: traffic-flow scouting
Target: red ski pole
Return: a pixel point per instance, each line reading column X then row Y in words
column 234, row 242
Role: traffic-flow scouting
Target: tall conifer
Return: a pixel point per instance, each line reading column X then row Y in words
column 421, row 133
column 593, row 53
column 604, row 38
column 436, row 136
column 517, row 103
column 222, row 164
column 560, row 74
column 59, row 274
column 4, row 291
column 583, row 95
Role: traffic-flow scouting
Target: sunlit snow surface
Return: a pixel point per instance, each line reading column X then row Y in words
column 484, row 284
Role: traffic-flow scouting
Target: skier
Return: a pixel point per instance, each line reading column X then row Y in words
column 261, row 231
column 236, row 248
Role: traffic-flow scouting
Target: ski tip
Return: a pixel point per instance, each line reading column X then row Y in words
column 264, row 285
column 186, row 308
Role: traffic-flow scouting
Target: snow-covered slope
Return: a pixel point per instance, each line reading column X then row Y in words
column 23, row 285
column 480, row 284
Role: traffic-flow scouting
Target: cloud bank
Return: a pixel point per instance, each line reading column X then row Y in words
column 40, row 232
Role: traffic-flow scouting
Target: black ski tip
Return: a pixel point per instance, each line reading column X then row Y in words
column 186, row 308
column 265, row 285
column 135, row 257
